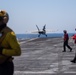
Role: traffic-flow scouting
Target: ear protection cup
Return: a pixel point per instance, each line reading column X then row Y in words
column 4, row 16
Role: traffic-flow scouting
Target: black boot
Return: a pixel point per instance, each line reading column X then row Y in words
column 70, row 49
column 73, row 61
column 63, row 51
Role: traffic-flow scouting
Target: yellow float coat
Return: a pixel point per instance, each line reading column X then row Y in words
column 10, row 44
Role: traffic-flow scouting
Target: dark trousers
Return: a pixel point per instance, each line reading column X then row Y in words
column 66, row 45
column 7, row 68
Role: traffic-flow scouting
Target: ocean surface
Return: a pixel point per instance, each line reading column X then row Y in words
column 52, row 35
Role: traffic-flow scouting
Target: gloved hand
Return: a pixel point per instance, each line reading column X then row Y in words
column 1, row 48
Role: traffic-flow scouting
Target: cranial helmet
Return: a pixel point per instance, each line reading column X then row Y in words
column 65, row 31
column 4, row 16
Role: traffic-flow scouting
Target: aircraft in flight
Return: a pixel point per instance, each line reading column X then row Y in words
column 43, row 31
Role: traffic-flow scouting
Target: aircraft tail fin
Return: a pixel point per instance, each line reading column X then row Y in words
column 44, row 27
column 38, row 28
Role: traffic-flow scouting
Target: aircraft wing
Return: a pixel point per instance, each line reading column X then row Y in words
column 32, row 31
column 47, row 31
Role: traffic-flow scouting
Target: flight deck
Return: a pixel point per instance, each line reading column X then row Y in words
column 44, row 56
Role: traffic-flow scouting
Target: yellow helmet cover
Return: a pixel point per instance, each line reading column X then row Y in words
column 2, row 13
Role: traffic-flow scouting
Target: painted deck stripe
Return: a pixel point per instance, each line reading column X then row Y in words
column 51, row 72
column 28, row 40
column 31, row 72
column 70, row 72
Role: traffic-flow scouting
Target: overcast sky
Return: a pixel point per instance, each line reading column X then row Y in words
column 25, row 14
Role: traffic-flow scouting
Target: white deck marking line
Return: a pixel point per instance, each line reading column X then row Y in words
column 70, row 72
column 31, row 72
column 51, row 72
column 28, row 40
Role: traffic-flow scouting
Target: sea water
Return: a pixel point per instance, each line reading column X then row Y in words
column 29, row 36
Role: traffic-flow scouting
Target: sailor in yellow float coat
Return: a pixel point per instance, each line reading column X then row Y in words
column 9, row 46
